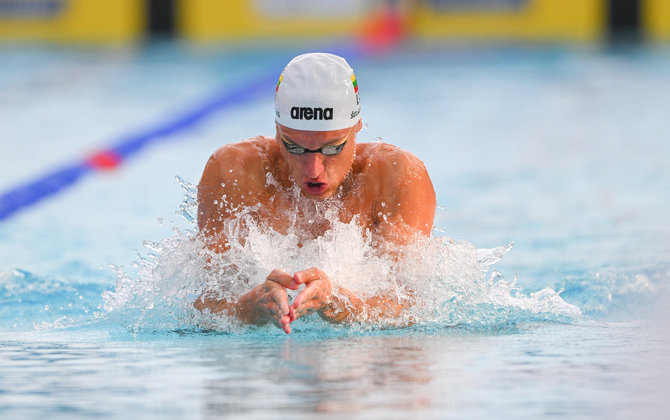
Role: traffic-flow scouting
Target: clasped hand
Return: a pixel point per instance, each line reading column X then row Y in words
column 273, row 301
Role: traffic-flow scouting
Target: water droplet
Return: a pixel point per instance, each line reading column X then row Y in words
column 383, row 204
column 160, row 220
column 378, row 139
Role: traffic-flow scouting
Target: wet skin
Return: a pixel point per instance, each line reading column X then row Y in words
column 387, row 188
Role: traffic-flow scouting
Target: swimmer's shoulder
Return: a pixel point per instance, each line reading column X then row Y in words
column 246, row 160
column 389, row 162
column 245, row 152
column 401, row 188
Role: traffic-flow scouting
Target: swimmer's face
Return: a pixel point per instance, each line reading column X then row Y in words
column 317, row 174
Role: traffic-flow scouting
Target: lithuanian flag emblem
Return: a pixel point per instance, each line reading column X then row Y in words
column 353, row 81
column 281, row 76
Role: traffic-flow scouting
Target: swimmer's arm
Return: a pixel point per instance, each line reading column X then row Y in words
column 267, row 302
column 228, row 183
column 211, row 212
column 341, row 305
column 346, row 307
column 405, row 205
column 243, row 309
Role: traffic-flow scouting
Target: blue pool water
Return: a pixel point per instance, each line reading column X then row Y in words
column 562, row 152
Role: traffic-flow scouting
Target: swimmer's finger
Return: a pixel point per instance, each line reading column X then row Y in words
column 303, row 296
column 285, row 323
column 282, row 321
column 275, row 316
column 306, row 302
column 311, row 274
column 282, row 277
column 281, row 303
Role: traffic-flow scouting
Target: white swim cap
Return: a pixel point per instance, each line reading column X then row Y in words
column 317, row 92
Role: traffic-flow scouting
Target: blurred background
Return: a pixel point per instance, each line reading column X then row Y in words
column 506, row 101
column 51, row 47
column 132, row 21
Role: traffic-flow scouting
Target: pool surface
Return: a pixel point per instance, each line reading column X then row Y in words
column 552, row 178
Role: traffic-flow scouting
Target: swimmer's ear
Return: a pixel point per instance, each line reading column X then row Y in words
column 359, row 125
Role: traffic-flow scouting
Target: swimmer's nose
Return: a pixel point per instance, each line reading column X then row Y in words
column 313, row 165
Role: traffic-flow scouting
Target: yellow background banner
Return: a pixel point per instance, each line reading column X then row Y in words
column 211, row 20
column 79, row 21
column 656, row 19
column 123, row 21
column 553, row 20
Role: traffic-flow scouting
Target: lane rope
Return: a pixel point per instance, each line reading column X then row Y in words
column 32, row 192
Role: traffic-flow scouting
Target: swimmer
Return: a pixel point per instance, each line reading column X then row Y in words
column 379, row 186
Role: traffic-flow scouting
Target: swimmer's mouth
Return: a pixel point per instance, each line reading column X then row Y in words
column 315, row 187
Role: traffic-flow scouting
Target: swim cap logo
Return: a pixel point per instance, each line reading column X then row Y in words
column 307, row 113
column 358, row 99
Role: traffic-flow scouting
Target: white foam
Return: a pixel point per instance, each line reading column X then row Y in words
column 451, row 282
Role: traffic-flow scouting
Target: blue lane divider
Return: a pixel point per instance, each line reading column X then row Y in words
column 27, row 194
column 32, row 192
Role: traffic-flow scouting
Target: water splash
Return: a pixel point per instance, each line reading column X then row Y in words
column 451, row 282
column 618, row 293
column 189, row 206
column 29, row 301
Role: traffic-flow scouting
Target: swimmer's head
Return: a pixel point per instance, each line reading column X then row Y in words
column 317, row 92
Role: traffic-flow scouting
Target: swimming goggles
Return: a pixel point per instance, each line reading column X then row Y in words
column 330, row 150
